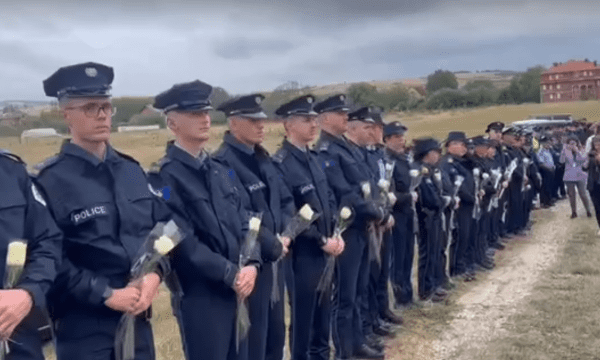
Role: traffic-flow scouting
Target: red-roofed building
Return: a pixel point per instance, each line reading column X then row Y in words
column 571, row 81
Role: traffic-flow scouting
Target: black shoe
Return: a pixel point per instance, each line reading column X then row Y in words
column 486, row 265
column 573, row 215
column 441, row 291
column 589, row 214
column 388, row 315
column 382, row 330
column 498, row 246
column 366, row 352
column 375, row 343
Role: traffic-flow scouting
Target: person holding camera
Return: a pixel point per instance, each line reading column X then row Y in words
column 574, row 158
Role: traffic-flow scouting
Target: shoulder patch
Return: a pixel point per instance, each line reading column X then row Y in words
column 322, row 146
column 280, row 155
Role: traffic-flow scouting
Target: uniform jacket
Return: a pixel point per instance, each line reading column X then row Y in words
column 306, row 181
column 402, row 181
column 24, row 216
column 453, row 166
column 105, row 210
column 210, row 200
column 262, row 187
column 345, row 167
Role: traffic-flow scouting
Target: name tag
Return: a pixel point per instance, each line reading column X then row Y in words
column 92, row 212
column 306, row 188
column 257, row 186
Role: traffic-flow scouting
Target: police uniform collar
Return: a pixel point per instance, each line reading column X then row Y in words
column 298, row 152
column 233, row 142
column 75, row 150
column 333, row 138
column 174, row 151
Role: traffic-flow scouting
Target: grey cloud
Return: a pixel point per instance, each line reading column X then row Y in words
column 245, row 48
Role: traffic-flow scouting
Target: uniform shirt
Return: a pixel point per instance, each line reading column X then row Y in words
column 345, row 168
column 202, row 192
column 24, row 216
column 307, row 183
column 105, row 210
column 262, row 186
column 545, row 158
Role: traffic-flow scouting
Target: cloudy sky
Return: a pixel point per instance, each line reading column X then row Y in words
column 246, row 46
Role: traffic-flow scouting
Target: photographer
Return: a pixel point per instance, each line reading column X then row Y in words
column 573, row 156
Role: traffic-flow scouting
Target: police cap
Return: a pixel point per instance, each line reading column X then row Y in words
column 81, row 80
column 191, row 96
column 496, row 126
column 456, row 136
column 333, row 103
column 394, row 128
column 248, row 106
column 423, row 146
column 299, row 106
column 363, row 114
column 480, row 141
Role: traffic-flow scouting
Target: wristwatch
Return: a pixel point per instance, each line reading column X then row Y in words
column 108, row 292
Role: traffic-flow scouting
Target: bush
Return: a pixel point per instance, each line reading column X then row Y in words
column 147, row 119
column 441, row 79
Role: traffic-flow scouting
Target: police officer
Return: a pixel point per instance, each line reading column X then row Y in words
column 306, row 181
column 454, row 164
column 494, row 131
column 248, row 162
column 24, row 216
column 345, row 170
column 102, row 202
column 200, row 188
column 427, row 153
column 403, row 232
column 514, row 206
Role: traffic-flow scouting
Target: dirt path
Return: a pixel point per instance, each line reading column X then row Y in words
column 487, row 306
column 480, row 310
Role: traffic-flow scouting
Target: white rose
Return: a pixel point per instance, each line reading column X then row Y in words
column 485, row 176
column 163, row 245
column 392, row 198
column 425, row 171
column 17, row 252
column 306, row 212
column 383, row 184
column 366, row 189
column 254, row 224
column 438, row 176
column 389, row 167
column 476, row 172
column 345, row 213
column 414, row 173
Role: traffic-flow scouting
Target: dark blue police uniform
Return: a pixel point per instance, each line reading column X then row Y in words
column 307, row 183
column 24, row 216
column 105, row 209
column 345, row 170
column 206, row 264
column 262, row 184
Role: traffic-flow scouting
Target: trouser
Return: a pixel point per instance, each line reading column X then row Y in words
column 378, row 285
column 547, row 186
column 482, row 244
column 26, row 342
column 580, row 185
column 347, row 329
column 460, row 248
column 88, row 334
column 595, row 196
column 514, row 213
column 559, row 184
column 403, row 242
column 266, row 337
column 310, row 318
column 207, row 325
column 429, row 250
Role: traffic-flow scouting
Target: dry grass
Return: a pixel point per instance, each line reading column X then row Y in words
column 552, row 326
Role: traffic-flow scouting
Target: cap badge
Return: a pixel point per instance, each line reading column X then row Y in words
column 91, row 72
column 309, row 100
column 342, row 97
column 258, row 100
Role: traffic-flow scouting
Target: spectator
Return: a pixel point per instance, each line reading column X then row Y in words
column 574, row 158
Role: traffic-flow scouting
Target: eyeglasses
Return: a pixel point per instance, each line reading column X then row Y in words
column 93, row 109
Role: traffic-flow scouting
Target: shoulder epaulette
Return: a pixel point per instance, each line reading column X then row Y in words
column 127, row 157
column 280, row 155
column 157, row 165
column 38, row 168
column 11, row 156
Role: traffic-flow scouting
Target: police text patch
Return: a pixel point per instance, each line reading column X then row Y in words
column 89, row 213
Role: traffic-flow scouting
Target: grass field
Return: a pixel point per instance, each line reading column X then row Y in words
column 149, row 147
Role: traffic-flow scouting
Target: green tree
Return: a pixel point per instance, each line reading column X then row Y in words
column 362, row 94
column 477, row 84
column 441, row 79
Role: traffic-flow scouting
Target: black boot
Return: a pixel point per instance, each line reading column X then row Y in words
column 366, row 352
